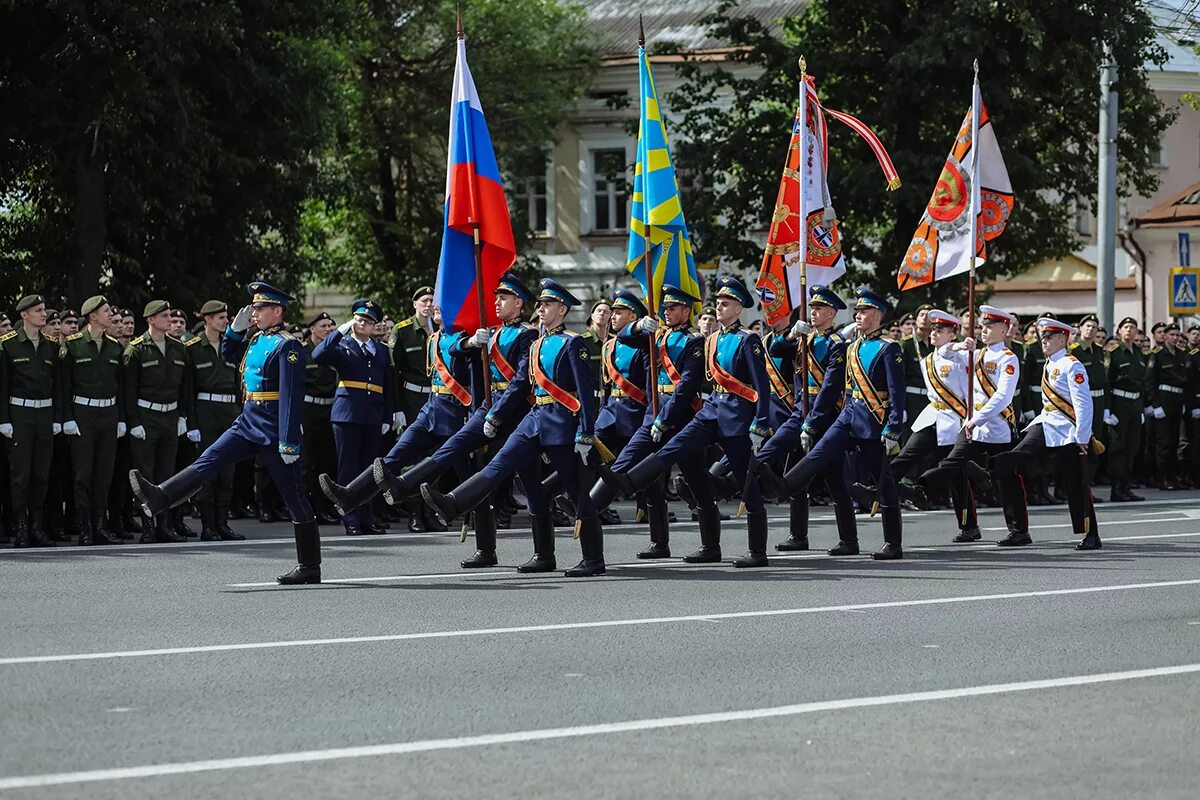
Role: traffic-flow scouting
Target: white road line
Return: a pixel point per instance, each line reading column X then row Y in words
column 566, row 626
column 600, row 729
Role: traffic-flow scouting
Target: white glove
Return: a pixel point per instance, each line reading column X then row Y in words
column 1111, row 419
column 1196, row 413
column 489, row 430
column 6, row 430
column 194, row 436
column 387, row 426
column 756, row 440
column 181, row 426
column 398, row 420
column 241, row 322
column 122, row 429
column 290, row 458
column 582, row 450
column 138, row 432
column 647, row 324
column 1028, row 415
column 890, row 446
column 346, row 326
column 56, row 428
column 1159, row 413
column 966, row 344
column 657, row 431
column 70, row 428
column 806, row 441
column 481, row 337
column 800, row 329
column 1148, row 411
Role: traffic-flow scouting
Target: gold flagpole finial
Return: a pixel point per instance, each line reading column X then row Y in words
column 803, row 68
column 975, row 66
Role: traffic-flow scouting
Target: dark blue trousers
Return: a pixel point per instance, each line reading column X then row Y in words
column 828, row 458
column 522, row 454
column 694, row 470
column 289, row 478
column 357, row 447
column 689, row 444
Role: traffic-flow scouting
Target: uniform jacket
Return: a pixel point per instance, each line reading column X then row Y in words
column 739, row 353
column 445, row 412
column 883, row 373
column 210, row 374
column 1170, row 370
column 84, row 371
column 945, row 374
column 1092, row 358
column 782, row 375
column 364, row 389
column 507, row 351
column 826, row 378
column 320, row 385
column 1071, row 420
column 623, row 411
column 24, row 372
column 156, row 376
column 561, row 356
column 678, row 387
column 407, row 342
column 1127, row 374
column 272, row 368
column 994, row 418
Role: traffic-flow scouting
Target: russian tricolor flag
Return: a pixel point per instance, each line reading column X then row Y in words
column 474, row 195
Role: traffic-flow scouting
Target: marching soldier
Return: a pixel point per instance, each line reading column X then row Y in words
column 1166, row 384
column 91, row 409
column 27, row 418
column 215, row 407
column 409, row 343
column 991, row 427
column 780, row 354
column 736, row 417
column 362, row 406
column 870, row 421
column 1063, row 429
column 825, row 352
column 1127, row 383
column 560, row 426
column 157, row 386
column 320, row 454
column 269, row 425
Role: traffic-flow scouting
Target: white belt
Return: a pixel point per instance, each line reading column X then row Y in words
column 21, row 401
column 318, row 401
column 1037, row 389
column 94, row 402
column 915, row 390
column 1097, row 392
column 600, row 393
column 1165, row 387
column 1127, row 395
column 416, row 387
column 163, row 407
column 217, row 398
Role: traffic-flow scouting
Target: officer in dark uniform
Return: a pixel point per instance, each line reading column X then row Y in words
column 1093, row 358
column 91, row 408
column 320, row 454
column 58, row 519
column 870, row 422
column 213, row 410
column 409, row 342
column 737, row 416
column 28, row 367
column 1167, row 380
column 1127, row 387
column 157, row 387
column 560, row 427
column 272, row 369
column 824, row 383
column 362, row 406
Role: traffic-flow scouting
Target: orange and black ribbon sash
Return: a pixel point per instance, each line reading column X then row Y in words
column 815, row 368
column 943, row 391
column 1056, row 400
column 668, row 366
column 779, row 387
column 560, row 395
column 876, row 403
column 498, row 360
column 618, row 379
column 461, row 393
column 989, row 388
column 722, row 378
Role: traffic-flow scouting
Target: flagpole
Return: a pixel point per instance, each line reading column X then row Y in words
column 802, row 213
column 479, row 298
column 651, row 299
column 975, row 211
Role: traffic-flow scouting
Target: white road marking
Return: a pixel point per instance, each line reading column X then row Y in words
column 566, row 626
column 599, row 729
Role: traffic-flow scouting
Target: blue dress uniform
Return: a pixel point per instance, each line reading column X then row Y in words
column 873, row 411
column 562, row 419
column 272, row 370
column 362, row 405
column 824, row 383
column 738, row 408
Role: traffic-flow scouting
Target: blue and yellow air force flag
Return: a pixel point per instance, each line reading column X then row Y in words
column 656, row 214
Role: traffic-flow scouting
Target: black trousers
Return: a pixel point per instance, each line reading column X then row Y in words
column 1033, row 452
column 922, row 448
column 1010, row 488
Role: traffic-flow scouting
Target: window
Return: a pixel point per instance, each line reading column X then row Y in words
column 610, row 190
column 531, row 200
column 1085, row 221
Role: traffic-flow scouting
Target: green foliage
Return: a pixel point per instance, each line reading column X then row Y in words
column 904, row 68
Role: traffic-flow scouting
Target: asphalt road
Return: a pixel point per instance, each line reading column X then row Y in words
column 962, row 671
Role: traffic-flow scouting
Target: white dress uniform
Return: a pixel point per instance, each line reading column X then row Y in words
column 1066, row 415
column 997, row 375
column 947, row 391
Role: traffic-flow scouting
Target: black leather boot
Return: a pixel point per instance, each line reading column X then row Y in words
column 710, row 537
column 101, row 535
column 756, row 534
column 396, row 488
column 1091, row 541
column 85, row 532
column 847, row 527
column 722, row 482
column 1015, row 539
column 602, row 494
column 174, row 490
column 162, row 532
column 347, row 498
column 178, row 525
column 969, row 535
column 308, row 554
column 21, row 538
column 37, row 534
column 543, row 545
column 660, row 532
column 485, row 539
column 639, row 477
column 591, row 543
column 226, row 533
column 451, row 506
column 208, row 523
column 770, row 482
column 892, row 534
column 797, row 526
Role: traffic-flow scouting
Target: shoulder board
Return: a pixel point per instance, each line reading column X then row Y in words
column 193, row 342
column 1193, row 351
column 566, row 332
column 138, row 339
column 404, row 323
column 8, row 336
column 1111, row 347
column 1075, row 345
column 906, row 338
column 1007, row 352
column 529, row 326
column 837, row 337
column 1155, row 349
column 75, row 336
column 1073, row 358
column 111, row 339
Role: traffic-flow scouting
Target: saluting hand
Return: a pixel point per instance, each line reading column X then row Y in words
column 241, row 322
column 346, row 327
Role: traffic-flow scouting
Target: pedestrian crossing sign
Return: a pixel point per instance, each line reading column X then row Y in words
column 1185, row 291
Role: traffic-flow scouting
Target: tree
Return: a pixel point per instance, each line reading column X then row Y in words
column 904, row 67
column 162, row 148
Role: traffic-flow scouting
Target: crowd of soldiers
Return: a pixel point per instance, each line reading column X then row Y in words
column 372, row 422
